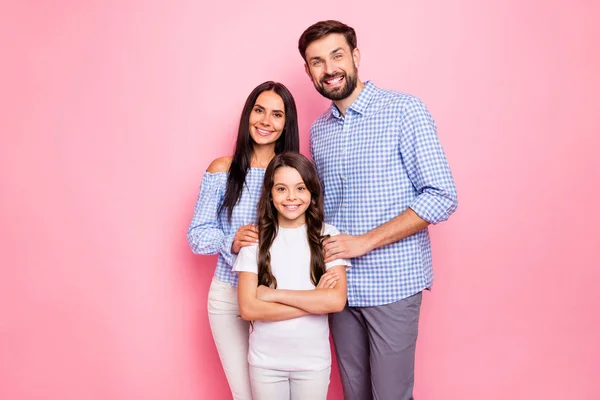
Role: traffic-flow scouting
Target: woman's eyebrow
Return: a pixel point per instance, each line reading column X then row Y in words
column 263, row 108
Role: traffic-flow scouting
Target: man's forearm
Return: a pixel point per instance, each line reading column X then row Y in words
column 349, row 246
column 404, row 225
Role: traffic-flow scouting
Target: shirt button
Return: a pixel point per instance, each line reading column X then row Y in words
column 344, row 178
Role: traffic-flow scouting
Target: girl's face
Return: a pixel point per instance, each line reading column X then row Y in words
column 267, row 118
column 290, row 197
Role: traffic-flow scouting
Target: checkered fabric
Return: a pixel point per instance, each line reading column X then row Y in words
column 382, row 157
column 212, row 233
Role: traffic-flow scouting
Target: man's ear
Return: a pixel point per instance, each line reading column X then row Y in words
column 356, row 57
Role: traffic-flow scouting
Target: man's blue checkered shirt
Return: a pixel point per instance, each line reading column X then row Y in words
column 379, row 159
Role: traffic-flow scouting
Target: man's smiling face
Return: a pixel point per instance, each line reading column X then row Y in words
column 332, row 66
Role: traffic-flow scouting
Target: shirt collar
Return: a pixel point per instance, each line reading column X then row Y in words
column 362, row 102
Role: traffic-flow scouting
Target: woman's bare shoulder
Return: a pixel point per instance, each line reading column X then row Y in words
column 221, row 164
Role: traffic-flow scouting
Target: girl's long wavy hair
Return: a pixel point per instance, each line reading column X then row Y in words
column 244, row 146
column 268, row 223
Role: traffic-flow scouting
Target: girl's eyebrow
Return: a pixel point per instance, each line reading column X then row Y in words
column 283, row 184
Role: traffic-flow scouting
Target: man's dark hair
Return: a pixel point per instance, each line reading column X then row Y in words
column 322, row 29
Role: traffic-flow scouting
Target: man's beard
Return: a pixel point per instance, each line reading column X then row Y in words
column 350, row 84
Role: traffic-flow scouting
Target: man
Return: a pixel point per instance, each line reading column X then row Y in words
column 385, row 179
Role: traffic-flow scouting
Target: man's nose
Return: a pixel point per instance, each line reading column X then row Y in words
column 329, row 68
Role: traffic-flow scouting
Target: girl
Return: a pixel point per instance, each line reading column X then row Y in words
column 283, row 289
column 225, row 210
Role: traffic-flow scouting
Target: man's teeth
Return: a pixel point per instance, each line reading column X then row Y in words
column 334, row 80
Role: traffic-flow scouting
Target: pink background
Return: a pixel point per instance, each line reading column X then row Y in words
column 111, row 111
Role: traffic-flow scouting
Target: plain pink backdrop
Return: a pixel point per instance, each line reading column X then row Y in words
column 111, row 111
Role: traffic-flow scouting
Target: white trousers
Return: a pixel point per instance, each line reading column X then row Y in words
column 268, row 384
column 230, row 333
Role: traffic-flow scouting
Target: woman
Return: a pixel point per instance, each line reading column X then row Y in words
column 284, row 287
column 226, row 211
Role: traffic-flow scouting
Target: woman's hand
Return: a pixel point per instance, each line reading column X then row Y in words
column 246, row 235
column 328, row 280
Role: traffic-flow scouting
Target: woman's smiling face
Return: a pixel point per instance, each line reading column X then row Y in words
column 267, row 119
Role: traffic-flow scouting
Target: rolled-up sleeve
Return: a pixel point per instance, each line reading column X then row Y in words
column 205, row 234
column 426, row 165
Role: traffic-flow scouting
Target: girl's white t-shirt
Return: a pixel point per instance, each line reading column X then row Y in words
column 299, row 344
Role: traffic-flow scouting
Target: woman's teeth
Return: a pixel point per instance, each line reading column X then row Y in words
column 264, row 133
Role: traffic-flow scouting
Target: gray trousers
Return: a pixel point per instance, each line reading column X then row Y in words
column 375, row 349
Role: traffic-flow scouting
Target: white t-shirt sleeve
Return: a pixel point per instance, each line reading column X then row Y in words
column 246, row 260
column 332, row 231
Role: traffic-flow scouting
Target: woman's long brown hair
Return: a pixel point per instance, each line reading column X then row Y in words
column 268, row 218
column 244, row 146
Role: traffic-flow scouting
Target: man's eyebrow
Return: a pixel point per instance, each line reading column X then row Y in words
column 332, row 52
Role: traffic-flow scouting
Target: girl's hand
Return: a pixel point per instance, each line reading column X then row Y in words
column 328, row 280
column 265, row 293
column 246, row 235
